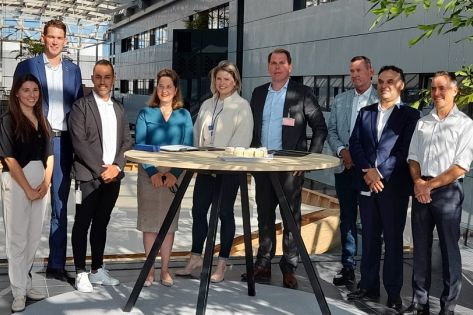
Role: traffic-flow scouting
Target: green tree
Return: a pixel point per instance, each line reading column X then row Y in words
column 29, row 48
column 455, row 15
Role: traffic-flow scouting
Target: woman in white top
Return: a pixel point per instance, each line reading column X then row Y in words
column 224, row 120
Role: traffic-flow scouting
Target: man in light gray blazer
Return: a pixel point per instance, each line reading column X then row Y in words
column 342, row 120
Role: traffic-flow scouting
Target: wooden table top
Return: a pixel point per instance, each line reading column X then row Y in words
column 210, row 160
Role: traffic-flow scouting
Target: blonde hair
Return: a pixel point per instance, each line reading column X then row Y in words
column 229, row 67
column 177, row 99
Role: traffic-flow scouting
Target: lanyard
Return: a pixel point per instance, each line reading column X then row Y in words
column 214, row 117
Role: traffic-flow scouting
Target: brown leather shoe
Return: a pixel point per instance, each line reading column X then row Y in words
column 261, row 274
column 289, row 280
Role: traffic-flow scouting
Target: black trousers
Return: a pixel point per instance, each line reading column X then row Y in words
column 266, row 202
column 98, row 201
column 383, row 217
column 444, row 212
column 204, row 190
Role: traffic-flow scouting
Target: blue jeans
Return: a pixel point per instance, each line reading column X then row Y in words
column 204, row 190
column 347, row 197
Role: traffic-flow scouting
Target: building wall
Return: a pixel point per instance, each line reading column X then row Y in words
column 146, row 62
column 322, row 39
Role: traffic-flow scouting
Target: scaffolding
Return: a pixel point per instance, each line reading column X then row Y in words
column 87, row 25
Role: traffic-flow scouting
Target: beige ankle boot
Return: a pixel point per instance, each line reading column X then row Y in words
column 194, row 262
column 219, row 273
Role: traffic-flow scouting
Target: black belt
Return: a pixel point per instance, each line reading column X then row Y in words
column 58, row 133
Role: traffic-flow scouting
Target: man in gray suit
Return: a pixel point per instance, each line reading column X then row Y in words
column 100, row 136
column 342, row 120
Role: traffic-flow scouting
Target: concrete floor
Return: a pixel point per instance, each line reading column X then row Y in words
column 123, row 238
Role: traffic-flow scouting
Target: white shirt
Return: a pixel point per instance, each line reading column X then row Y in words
column 359, row 101
column 437, row 143
column 109, row 129
column 56, row 115
column 382, row 119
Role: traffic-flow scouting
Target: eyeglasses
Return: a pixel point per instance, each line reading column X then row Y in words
column 174, row 188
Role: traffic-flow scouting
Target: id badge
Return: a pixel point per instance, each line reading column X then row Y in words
column 287, row 121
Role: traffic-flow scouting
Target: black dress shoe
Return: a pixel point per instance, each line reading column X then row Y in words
column 394, row 302
column 260, row 273
column 59, row 274
column 289, row 280
column 446, row 312
column 346, row 276
column 363, row 294
column 416, row 309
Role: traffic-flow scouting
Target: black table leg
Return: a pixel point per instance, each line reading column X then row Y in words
column 159, row 241
column 209, row 247
column 292, row 226
column 245, row 210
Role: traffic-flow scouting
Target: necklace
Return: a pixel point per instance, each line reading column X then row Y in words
column 166, row 112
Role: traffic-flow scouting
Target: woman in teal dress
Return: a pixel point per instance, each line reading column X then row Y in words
column 163, row 122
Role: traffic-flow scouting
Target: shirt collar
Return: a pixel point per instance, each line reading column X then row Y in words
column 284, row 87
column 453, row 112
column 365, row 93
column 99, row 100
column 398, row 105
column 47, row 64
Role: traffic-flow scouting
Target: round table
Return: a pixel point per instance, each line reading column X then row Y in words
column 211, row 160
column 217, row 162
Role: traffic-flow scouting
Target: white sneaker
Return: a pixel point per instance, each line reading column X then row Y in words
column 83, row 283
column 103, row 277
column 18, row 304
column 35, row 295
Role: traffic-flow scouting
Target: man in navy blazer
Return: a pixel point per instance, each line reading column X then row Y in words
column 282, row 110
column 342, row 120
column 61, row 85
column 379, row 146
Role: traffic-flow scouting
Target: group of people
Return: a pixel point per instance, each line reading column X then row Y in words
column 50, row 130
column 227, row 120
column 387, row 153
column 52, row 133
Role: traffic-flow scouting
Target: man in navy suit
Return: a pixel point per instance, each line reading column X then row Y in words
column 282, row 110
column 379, row 146
column 342, row 120
column 61, row 85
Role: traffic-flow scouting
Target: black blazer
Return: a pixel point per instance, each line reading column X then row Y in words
column 302, row 105
column 85, row 128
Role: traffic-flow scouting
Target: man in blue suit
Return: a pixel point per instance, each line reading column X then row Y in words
column 379, row 146
column 61, row 85
column 342, row 120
